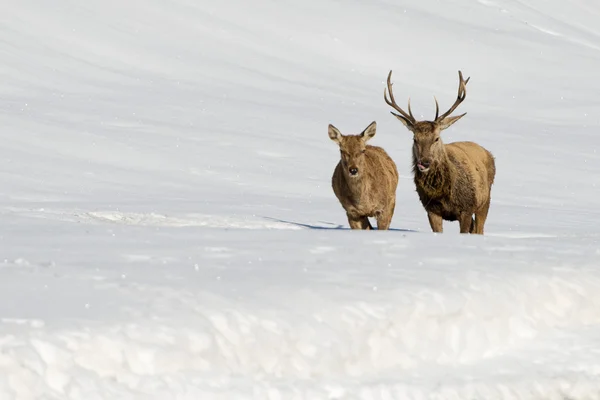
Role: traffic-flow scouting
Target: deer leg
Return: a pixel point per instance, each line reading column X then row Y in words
column 359, row 222
column 480, row 217
column 436, row 222
column 366, row 224
column 384, row 219
column 355, row 223
column 465, row 221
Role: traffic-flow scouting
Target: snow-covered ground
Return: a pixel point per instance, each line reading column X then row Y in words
column 168, row 228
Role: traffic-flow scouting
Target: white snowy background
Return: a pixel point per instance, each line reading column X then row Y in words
column 168, row 228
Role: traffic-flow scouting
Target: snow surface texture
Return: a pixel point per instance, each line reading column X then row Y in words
column 168, row 228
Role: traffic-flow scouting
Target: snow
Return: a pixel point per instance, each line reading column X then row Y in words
column 168, row 228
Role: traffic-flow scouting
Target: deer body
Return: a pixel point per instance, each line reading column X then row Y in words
column 364, row 180
column 453, row 180
column 457, row 186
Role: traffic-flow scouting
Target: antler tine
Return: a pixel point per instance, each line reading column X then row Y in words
column 392, row 102
column 437, row 108
column 409, row 110
column 462, row 93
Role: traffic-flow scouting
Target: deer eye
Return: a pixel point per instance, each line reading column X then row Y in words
column 437, row 139
column 363, row 151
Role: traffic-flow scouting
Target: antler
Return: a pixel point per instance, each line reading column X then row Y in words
column 462, row 93
column 391, row 102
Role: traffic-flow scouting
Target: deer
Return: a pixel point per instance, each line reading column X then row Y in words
column 364, row 180
column 454, row 180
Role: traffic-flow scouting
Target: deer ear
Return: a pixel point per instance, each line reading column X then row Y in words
column 447, row 122
column 334, row 134
column 406, row 122
column 369, row 132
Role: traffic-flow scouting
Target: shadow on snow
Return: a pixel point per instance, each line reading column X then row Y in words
column 328, row 225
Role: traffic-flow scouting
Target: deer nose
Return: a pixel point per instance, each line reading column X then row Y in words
column 353, row 171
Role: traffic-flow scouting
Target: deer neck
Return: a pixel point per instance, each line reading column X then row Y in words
column 438, row 180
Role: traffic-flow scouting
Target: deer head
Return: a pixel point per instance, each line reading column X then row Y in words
column 427, row 146
column 352, row 149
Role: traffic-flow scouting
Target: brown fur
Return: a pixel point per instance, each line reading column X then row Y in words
column 372, row 191
column 459, row 177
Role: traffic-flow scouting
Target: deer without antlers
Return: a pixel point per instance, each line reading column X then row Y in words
column 364, row 180
column 454, row 180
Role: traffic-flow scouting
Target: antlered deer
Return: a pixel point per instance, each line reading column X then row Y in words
column 454, row 181
column 365, row 179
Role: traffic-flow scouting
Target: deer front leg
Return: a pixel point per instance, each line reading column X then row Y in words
column 436, row 222
column 383, row 221
column 384, row 218
column 359, row 222
column 465, row 221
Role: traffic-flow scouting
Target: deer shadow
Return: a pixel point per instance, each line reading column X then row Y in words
column 330, row 227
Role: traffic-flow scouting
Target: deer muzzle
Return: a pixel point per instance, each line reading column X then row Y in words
column 423, row 165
